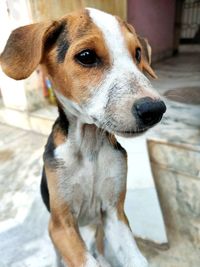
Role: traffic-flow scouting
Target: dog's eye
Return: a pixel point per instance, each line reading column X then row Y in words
column 138, row 54
column 87, row 58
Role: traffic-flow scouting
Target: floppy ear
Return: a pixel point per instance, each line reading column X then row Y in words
column 146, row 52
column 25, row 46
column 146, row 57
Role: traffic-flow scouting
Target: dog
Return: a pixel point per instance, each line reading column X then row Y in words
column 96, row 63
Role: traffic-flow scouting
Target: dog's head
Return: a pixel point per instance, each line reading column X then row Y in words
column 96, row 63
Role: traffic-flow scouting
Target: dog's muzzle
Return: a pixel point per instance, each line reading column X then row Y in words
column 148, row 111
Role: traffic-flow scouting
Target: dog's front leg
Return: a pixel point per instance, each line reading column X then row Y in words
column 63, row 229
column 69, row 244
column 120, row 238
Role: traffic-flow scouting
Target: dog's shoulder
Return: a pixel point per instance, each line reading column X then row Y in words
column 57, row 136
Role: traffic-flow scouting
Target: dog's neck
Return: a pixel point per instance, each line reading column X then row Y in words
column 82, row 136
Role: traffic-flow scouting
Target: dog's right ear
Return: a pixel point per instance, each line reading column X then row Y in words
column 25, row 47
column 146, row 62
column 146, row 52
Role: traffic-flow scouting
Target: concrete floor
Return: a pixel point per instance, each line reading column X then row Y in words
column 23, row 219
column 181, row 125
column 24, row 240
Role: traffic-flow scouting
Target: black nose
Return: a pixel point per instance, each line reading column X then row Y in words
column 149, row 111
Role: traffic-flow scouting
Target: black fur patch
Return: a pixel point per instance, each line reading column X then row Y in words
column 53, row 36
column 58, row 37
column 118, row 146
column 44, row 190
column 60, row 124
column 62, row 46
column 62, row 120
column 49, row 148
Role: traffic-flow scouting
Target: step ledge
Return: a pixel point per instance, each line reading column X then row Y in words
column 33, row 121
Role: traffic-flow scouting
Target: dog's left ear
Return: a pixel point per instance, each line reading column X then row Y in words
column 146, row 57
column 25, row 48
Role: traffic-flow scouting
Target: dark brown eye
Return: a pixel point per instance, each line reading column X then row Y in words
column 87, row 58
column 138, row 54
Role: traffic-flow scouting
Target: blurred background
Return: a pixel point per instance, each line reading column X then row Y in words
column 162, row 203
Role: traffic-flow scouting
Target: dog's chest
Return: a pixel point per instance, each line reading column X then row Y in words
column 90, row 179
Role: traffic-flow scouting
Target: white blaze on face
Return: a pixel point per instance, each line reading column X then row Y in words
column 123, row 68
column 113, row 36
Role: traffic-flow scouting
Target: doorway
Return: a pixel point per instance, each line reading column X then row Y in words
column 190, row 24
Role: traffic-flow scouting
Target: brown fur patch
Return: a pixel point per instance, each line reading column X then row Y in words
column 63, row 227
column 24, row 49
column 112, row 139
column 70, row 78
column 120, row 208
column 58, row 136
column 134, row 41
column 100, row 239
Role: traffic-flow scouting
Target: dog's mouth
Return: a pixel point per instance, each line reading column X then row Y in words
column 130, row 133
column 113, row 127
column 125, row 133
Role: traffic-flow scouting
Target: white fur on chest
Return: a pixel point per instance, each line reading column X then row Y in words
column 90, row 179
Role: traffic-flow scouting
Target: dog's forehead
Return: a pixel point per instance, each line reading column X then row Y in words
column 107, row 23
column 119, row 40
column 91, row 16
column 109, row 26
column 93, row 22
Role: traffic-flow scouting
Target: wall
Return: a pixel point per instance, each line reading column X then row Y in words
column 12, row 15
column 55, row 8
column 25, row 94
column 154, row 19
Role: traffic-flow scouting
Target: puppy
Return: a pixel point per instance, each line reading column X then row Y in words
column 96, row 63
